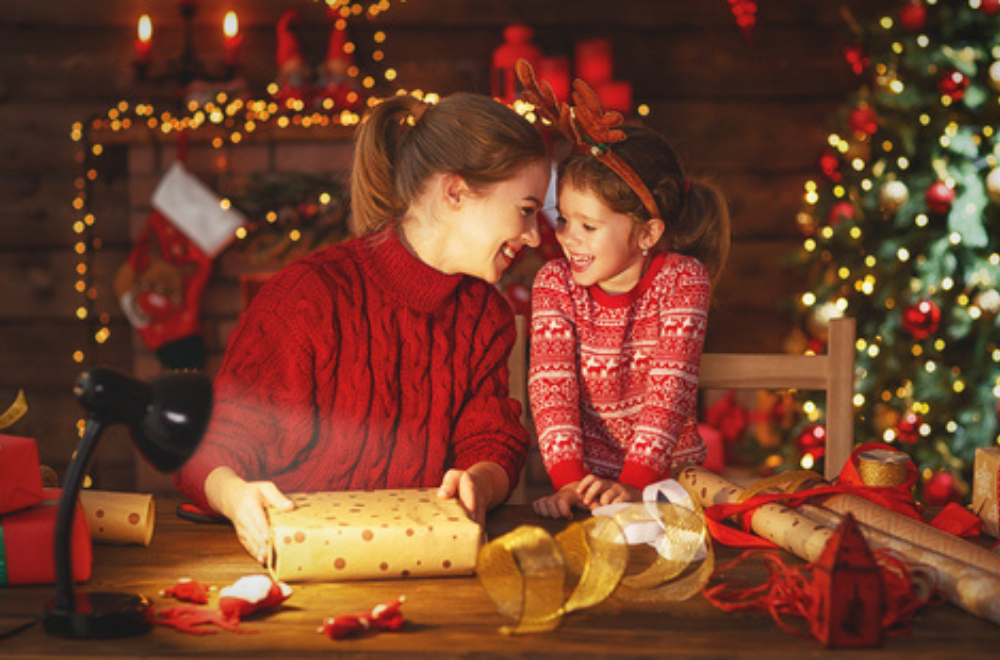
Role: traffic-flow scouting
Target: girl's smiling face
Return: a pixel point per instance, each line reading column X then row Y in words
column 603, row 247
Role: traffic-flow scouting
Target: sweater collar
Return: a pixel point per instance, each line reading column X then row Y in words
column 625, row 299
column 405, row 277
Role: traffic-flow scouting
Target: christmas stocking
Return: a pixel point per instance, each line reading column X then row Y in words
column 160, row 286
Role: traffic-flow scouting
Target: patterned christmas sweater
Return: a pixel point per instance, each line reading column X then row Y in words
column 613, row 380
column 360, row 367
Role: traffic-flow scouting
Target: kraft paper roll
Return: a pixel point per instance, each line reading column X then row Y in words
column 119, row 518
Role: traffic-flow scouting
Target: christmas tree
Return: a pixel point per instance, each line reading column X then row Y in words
column 903, row 233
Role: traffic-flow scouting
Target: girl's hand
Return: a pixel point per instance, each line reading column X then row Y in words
column 595, row 491
column 560, row 504
column 245, row 504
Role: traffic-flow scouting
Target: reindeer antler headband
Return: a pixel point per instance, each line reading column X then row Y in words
column 586, row 125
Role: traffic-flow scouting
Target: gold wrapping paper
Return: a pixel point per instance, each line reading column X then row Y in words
column 781, row 525
column 985, row 487
column 973, row 589
column 119, row 518
column 916, row 532
column 359, row 535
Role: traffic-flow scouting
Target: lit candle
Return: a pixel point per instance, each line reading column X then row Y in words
column 144, row 43
column 231, row 29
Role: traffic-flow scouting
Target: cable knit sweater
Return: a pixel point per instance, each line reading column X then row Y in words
column 360, row 367
column 613, row 381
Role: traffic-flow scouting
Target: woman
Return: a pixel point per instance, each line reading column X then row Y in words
column 382, row 362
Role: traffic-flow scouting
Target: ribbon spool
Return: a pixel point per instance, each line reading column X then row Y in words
column 881, row 468
column 535, row 579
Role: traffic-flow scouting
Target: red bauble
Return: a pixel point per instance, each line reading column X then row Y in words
column 921, row 320
column 840, row 211
column 940, row 490
column 989, row 7
column 864, row 120
column 939, row 197
column 856, row 58
column 908, row 427
column 830, row 164
column 812, row 441
column 913, row 16
column 519, row 297
column 953, row 84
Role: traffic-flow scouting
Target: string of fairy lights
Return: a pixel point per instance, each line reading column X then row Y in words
column 227, row 120
column 874, row 165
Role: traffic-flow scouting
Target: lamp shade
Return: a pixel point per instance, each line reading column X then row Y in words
column 167, row 416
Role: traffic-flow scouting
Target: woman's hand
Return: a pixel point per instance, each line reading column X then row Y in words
column 560, row 503
column 478, row 489
column 245, row 504
column 595, row 491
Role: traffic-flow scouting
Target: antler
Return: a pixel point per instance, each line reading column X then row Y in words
column 545, row 101
column 598, row 126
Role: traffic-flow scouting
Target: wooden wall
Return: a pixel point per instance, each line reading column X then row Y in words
column 752, row 116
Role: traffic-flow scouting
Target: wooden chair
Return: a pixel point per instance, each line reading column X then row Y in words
column 832, row 373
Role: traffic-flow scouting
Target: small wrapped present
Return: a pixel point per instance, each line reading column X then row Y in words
column 985, row 480
column 358, row 535
column 27, row 551
column 20, row 474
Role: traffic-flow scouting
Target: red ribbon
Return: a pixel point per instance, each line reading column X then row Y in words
column 953, row 519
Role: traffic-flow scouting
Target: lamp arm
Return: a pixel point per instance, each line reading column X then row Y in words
column 65, row 600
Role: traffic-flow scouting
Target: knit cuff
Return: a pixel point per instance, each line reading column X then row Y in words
column 638, row 476
column 566, row 473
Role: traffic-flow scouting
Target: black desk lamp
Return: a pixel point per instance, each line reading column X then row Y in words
column 167, row 418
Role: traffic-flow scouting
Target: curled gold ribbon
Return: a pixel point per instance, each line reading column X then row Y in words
column 15, row 412
column 535, row 579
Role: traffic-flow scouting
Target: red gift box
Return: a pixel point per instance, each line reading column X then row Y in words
column 27, row 544
column 20, row 476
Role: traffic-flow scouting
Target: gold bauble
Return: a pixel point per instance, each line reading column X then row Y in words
column 893, row 195
column 993, row 183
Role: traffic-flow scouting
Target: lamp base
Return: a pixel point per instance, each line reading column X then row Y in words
column 100, row 615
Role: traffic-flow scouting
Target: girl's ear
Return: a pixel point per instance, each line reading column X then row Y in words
column 651, row 232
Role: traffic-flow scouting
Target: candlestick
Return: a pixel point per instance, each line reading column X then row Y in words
column 594, row 61
column 555, row 71
column 616, row 95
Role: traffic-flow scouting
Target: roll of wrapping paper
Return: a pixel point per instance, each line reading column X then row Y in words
column 916, row 532
column 781, row 525
column 119, row 518
column 969, row 587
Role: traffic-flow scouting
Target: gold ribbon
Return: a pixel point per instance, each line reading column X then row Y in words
column 535, row 579
column 15, row 412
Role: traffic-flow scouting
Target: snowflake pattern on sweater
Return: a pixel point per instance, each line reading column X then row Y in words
column 613, row 380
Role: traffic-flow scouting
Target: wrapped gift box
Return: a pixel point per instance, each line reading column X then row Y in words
column 20, row 475
column 985, row 503
column 27, row 544
column 360, row 535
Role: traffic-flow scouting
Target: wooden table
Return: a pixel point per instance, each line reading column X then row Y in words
column 447, row 617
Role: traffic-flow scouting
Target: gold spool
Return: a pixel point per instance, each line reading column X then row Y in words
column 881, row 468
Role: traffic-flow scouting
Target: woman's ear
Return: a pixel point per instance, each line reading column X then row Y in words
column 651, row 232
column 454, row 189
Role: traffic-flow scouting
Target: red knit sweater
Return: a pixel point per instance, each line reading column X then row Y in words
column 360, row 367
column 614, row 378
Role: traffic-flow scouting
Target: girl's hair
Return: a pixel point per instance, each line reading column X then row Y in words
column 695, row 212
column 404, row 141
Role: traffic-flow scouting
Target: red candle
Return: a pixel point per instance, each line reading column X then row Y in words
column 593, row 61
column 555, row 70
column 231, row 30
column 144, row 42
column 616, row 95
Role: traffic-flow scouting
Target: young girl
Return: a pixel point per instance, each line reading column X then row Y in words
column 382, row 362
column 618, row 325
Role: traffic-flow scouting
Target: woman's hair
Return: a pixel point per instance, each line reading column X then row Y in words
column 404, row 141
column 695, row 213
